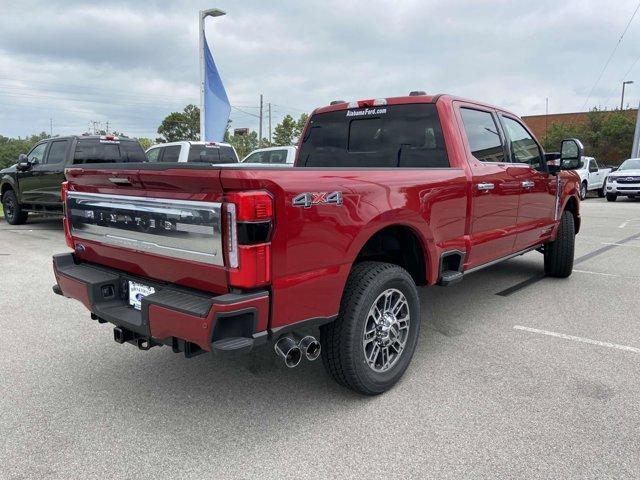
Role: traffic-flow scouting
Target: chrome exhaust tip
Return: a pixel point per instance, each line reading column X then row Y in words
column 310, row 347
column 289, row 351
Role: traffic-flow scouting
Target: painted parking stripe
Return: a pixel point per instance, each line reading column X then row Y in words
column 535, row 279
column 573, row 338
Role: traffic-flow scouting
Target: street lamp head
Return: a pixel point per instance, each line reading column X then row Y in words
column 212, row 12
column 628, row 82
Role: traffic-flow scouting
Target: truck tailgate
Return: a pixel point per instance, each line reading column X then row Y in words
column 164, row 223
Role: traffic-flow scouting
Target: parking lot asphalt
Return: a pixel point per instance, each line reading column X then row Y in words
column 515, row 376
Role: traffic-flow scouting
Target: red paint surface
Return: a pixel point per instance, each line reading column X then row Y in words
column 312, row 249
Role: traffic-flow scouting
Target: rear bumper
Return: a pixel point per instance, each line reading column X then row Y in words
column 189, row 320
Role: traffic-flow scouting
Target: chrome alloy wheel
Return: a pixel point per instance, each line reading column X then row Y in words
column 386, row 330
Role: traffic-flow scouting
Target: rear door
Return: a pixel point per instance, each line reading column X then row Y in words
column 536, row 209
column 495, row 191
column 52, row 171
column 29, row 181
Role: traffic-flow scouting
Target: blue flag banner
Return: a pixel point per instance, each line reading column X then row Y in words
column 216, row 102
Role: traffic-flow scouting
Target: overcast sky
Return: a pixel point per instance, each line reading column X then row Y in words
column 132, row 63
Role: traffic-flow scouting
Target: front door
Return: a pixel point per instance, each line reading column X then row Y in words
column 52, row 172
column 536, row 211
column 495, row 192
column 29, row 180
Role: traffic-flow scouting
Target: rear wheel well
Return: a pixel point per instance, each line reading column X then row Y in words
column 572, row 206
column 398, row 245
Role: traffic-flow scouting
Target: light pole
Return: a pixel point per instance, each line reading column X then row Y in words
column 624, row 84
column 212, row 12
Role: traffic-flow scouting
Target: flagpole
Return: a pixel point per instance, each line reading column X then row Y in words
column 212, row 12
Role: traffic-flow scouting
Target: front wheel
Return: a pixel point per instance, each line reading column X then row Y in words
column 558, row 255
column 13, row 212
column 602, row 191
column 371, row 343
column 611, row 197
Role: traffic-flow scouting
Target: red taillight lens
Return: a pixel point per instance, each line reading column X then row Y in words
column 65, row 220
column 249, row 219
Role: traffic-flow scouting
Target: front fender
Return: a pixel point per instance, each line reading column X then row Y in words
column 7, row 179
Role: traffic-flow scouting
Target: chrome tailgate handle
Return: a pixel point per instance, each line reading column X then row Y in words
column 485, row 186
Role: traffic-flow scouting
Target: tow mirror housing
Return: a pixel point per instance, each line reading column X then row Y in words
column 23, row 163
column 571, row 152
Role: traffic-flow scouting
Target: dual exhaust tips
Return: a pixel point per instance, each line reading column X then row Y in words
column 291, row 349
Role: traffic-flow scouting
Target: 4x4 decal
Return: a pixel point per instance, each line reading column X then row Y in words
column 308, row 199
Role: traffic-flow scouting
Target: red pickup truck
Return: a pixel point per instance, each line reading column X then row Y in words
column 386, row 195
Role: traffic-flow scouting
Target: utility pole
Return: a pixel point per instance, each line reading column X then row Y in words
column 107, row 128
column 635, row 152
column 269, row 123
column 624, row 84
column 260, row 127
column 50, row 127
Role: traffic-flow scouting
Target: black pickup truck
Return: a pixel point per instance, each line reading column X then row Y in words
column 33, row 184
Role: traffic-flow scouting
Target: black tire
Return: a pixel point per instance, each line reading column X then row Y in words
column 584, row 191
column 343, row 352
column 13, row 213
column 558, row 255
column 611, row 197
column 602, row 191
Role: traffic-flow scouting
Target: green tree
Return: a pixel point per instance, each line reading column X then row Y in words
column 183, row 125
column 244, row 144
column 288, row 131
column 146, row 142
column 11, row 148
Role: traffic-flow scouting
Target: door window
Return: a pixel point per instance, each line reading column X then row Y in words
column 171, row 154
column 152, row 155
column 57, row 152
column 37, row 154
column 482, row 133
column 593, row 166
column 524, row 148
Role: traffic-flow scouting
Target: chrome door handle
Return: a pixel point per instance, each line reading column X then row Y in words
column 486, row 186
column 528, row 184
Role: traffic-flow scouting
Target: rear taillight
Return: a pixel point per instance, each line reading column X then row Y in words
column 249, row 221
column 65, row 220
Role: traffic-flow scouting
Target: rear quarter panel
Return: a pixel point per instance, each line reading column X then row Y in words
column 314, row 248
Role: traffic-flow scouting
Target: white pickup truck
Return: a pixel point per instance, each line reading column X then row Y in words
column 592, row 177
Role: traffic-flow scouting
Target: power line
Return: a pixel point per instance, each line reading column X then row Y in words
column 615, row 48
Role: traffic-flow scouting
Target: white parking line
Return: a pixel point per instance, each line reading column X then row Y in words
column 596, row 273
column 578, row 339
column 620, row 244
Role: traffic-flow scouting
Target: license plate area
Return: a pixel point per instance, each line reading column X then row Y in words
column 137, row 291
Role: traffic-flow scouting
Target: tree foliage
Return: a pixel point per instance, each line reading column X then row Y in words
column 607, row 135
column 11, row 148
column 288, row 131
column 183, row 125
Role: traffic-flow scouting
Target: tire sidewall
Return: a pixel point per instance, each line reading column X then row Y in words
column 583, row 191
column 382, row 381
column 10, row 197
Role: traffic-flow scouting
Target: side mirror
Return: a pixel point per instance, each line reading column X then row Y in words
column 553, row 162
column 23, row 163
column 571, row 152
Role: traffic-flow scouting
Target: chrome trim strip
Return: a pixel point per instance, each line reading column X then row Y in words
column 181, row 229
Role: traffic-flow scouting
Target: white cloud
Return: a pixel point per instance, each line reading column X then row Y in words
column 133, row 62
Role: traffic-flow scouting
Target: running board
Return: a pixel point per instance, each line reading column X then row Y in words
column 502, row 259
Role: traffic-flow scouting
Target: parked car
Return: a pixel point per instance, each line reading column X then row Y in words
column 624, row 182
column 282, row 156
column 387, row 195
column 592, row 177
column 33, row 184
column 187, row 151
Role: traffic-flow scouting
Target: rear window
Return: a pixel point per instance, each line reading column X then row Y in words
column 405, row 136
column 92, row 150
column 212, row 154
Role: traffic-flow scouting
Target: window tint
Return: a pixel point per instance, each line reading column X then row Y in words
column 405, row 136
column 228, row 155
column 593, row 166
column 152, row 155
column 524, row 148
column 170, row 154
column 483, row 136
column 93, row 150
column 270, row 156
column 57, row 151
column 37, row 153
